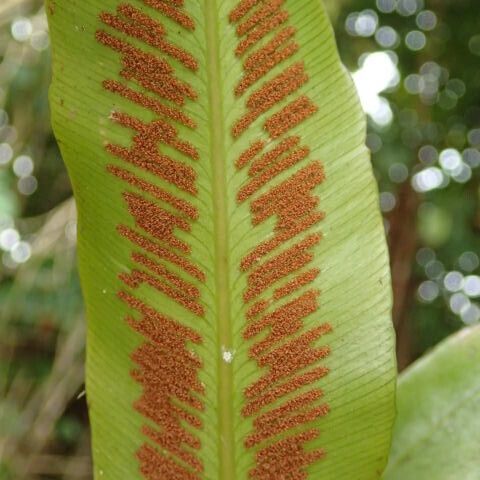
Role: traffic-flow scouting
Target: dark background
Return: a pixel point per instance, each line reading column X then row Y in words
column 417, row 66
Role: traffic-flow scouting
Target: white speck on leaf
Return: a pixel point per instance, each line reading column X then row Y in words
column 227, row 355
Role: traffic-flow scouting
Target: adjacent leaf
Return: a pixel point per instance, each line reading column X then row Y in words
column 231, row 250
column 436, row 434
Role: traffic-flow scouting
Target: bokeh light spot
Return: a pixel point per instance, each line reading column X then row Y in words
column 413, row 84
column 471, row 286
column 8, row 238
column 428, row 291
column 469, row 261
column 453, row 281
column 40, row 41
column 415, row 40
column 386, row 6
column 462, row 174
column 387, row 37
column 6, row 153
column 474, row 137
column 362, row 24
column 470, row 314
column 474, row 45
column 398, row 172
column 21, row 252
column 21, row 29
column 23, row 166
column 428, row 179
column 377, row 73
column 408, row 7
column 471, row 156
column 387, row 201
column 27, row 185
column 450, row 159
column 428, row 155
column 427, row 20
column 434, row 270
column 424, row 256
column 458, row 302
column 374, row 142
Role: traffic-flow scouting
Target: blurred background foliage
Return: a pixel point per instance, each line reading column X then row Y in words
column 416, row 64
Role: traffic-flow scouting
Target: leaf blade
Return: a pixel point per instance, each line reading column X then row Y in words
column 340, row 148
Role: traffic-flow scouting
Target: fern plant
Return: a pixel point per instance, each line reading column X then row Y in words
column 231, row 250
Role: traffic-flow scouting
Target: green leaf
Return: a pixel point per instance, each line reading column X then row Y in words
column 436, row 430
column 231, row 251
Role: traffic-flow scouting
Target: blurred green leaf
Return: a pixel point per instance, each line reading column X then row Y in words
column 437, row 430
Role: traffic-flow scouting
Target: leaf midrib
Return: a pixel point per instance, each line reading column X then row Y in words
column 221, row 243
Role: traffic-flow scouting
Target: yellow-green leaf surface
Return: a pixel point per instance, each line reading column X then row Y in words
column 437, row 430
column 231, row 251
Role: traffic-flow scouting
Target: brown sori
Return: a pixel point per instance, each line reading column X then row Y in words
column 166, row 368
column 285, row 403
